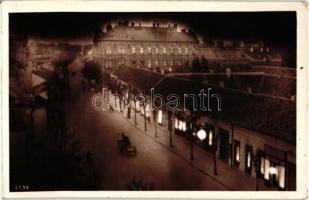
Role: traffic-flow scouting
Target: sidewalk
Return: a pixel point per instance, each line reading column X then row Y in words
column 232, row 178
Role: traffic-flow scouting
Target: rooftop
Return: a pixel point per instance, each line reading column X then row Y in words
column 260, row 113
column 147, row 34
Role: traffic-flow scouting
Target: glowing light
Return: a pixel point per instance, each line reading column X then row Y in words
column 210, row 138
column 201, row 134
column 249, row 160
column 180, row 125
column 272, row 170
column 262, row 165
column 147, row 110
column 184, row 126
column 237, row 153
column 281, row 176
column 160, row 117
column 176, row 123
column 267, row 169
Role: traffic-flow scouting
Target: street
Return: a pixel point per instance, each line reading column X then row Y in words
column 98, row 132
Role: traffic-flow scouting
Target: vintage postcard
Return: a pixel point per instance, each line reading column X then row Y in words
column 145, row 99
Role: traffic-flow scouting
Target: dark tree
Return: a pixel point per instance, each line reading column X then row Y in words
column 92, row 70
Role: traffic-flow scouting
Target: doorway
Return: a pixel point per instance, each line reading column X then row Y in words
column 224, row 145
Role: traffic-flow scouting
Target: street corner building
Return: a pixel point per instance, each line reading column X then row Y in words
column 245, row 139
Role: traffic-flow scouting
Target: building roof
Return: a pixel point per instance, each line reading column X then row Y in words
column 264, row 114
column 45, row 73
column 147, row 34
column 137, row 78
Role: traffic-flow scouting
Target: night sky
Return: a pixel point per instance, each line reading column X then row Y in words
column 277, row 28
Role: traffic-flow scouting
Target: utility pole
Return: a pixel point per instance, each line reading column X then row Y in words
column 155, row 122
column 172, row 131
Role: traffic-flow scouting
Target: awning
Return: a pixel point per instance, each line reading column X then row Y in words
column 37, row 80
column 43, row 94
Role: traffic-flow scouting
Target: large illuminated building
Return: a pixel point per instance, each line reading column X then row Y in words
column 259, row 108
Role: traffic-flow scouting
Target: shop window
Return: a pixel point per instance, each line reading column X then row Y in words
column 236, row 153
column 176, row 123
column 248, row 166
column 262, row 166
column 210, row 138
column 281, row 176
column 266, row 168
column 160, row 117
column 184, row 126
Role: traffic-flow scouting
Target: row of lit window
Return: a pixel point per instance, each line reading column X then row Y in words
column 267, row 169
column 150, row 63
column 149, row 50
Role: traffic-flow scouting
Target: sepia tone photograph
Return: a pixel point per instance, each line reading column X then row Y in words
column 152, row 101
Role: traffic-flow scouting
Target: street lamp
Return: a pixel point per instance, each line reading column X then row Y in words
column 201, row 134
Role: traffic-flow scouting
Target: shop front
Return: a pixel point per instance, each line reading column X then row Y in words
column 276, row 170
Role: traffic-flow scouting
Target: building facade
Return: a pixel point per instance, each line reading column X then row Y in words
column 158, row 46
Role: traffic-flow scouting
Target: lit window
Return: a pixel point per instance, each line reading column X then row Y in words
column 147, row 110
column 180, row 125
column 122, row 50
column 237, row 153
column 179, row 50
column 160, row 117
column 186, row 50
column 164, row 50
column 210, row 138
column 281, row 176
column 149, row 50
column 156, row 62
column 133, row 49
column 119, row 50
column 193, row 51
column 267, row 166
column 176, row 123
column 249, row 159
column 141, row 50
column 149, row 63
column 108, row 51
column 184, row 126
column 164, row 63
column 157, row 50
column 262, row 165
